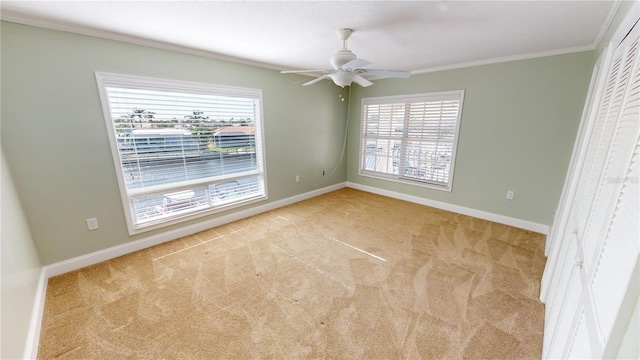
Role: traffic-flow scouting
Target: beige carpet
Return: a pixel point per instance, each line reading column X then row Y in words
column 344, row 275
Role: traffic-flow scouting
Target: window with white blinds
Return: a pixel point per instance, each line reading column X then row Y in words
column 182, row 149
column 411, row 138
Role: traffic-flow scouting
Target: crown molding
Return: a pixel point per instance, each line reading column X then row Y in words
column 110, row 35
column 507, row 59
column 85, row 30
column 594, row 45
column 607, row 24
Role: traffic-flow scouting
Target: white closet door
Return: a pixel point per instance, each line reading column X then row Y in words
column 583, row 137
column 611, row 279
column 599, row 247
column 564, row 290
column 610, row 247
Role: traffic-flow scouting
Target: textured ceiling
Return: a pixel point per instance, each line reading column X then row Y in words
column 416, row 36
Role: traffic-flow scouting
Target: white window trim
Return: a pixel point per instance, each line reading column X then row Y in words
column 127, row 196
column 408, row 98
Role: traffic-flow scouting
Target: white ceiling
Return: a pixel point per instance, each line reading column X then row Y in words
column 416, row 36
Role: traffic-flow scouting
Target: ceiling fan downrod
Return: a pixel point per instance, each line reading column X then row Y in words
column 344, row 34
column 343, row 55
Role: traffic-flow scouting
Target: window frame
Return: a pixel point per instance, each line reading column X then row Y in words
column 409, row 98
column 128, row 196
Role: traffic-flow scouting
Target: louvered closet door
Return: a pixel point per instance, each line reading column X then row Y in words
column 565, row 289
column 600, row 245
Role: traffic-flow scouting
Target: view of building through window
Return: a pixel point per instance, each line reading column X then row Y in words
column 183, row 150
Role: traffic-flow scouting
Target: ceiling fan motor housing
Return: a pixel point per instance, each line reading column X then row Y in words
column 342, row 57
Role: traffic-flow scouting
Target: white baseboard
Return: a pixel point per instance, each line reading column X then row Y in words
column 48, row 271
column 113, row 252
column 484, row 215
column 33, row 337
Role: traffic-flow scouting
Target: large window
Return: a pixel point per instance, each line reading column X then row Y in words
column 411, row 138
column 182, row 149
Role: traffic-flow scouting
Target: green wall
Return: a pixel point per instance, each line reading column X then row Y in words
column 55, row 138
column 518, row 126
column 21, row 269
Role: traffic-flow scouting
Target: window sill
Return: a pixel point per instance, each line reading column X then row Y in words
column 406, row 181
column 161, row 223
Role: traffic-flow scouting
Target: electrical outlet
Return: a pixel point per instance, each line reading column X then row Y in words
column 510, row 195
column 297, row 178
column 92, row 224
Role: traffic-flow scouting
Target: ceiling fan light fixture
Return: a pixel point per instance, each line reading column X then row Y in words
column 342, row 78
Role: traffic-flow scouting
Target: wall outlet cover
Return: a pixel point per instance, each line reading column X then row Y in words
column 92, row 224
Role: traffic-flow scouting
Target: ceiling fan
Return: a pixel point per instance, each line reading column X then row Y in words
column 347, row 68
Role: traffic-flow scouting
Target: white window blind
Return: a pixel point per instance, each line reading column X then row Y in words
column 182, row 149
column 411, row 138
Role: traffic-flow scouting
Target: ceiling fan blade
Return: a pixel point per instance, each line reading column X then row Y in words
column 355, row 64
column 315, row 80
column 347, row 68
column 301, row 71
column 388, row 73
column 361, row 81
